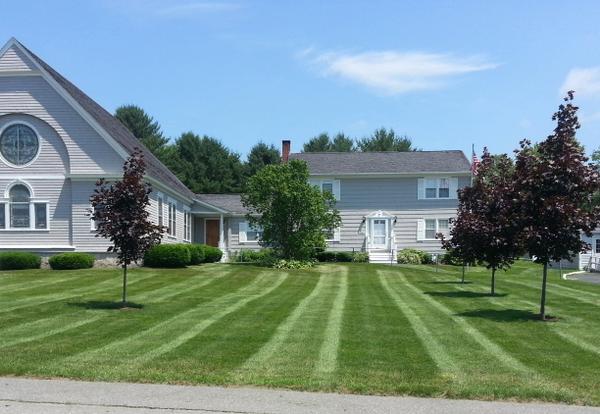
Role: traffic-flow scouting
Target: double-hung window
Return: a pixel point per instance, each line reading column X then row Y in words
column 187, row 225
column 598, row 246
column 160, row 211
column 172, row 219
column 429, row 228
column 434, row 188
column 22, row 212
column 248, row 233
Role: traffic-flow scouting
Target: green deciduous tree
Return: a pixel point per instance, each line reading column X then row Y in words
column 205, row 165
column 259, row 157
column 292, row 213
column 143, row 127
column 385, row 140
column 554, row 184
column 121, row 213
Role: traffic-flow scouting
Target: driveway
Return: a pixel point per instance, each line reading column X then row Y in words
column 19, row 395
column 586, row 277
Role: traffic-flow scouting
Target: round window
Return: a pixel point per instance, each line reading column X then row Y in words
column 19, row 144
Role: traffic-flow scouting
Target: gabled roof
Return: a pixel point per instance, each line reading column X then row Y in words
column 231, row 203
column 372, row 163
column 111, row 125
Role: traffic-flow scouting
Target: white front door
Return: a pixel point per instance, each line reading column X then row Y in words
column 379, row 233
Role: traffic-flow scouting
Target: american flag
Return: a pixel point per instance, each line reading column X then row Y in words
column 474, row 161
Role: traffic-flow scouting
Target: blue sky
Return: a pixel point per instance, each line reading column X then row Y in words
column 446, row 73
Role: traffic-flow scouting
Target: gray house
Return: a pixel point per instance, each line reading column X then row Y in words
column 55, row 142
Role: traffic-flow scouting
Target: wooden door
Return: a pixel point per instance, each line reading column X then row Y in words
column 212, row 233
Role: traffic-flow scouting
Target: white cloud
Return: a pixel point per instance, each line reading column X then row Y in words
column 584, row 81
column 194, row 7
column 391, row 72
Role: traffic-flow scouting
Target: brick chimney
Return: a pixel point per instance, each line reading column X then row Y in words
column 286, row 145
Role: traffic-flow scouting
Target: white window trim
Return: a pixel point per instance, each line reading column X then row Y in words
column 452, row 188
column 31, row 228
column 160, row 209
column 172, row 228
column 337, row 236
column 243, row 227
column 187, row 224
column 422, row 228
column 335, row 185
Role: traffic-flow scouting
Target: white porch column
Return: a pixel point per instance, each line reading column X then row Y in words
column 221, row 233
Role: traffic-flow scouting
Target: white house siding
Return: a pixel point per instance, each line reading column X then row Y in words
column 57, row 192
column 15, row 61
column 179, row 214
column 32, row 95
column 584, row 258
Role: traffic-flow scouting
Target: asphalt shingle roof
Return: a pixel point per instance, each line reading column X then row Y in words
column 116, row 129
column 338, row 163
column 229, row 202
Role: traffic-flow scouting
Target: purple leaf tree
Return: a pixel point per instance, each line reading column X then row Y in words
column 120, row 211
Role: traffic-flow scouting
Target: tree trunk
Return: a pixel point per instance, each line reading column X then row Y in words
column 493, row 281
column 463, row 274
column 124, row 284
column 543, row 301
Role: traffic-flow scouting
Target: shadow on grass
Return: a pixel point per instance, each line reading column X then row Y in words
column 504, row 315
column 106, row 305
column 450, row 282
column 465, row 294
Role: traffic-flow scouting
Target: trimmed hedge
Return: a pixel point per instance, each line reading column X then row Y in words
column 211, row 254
column 197, row 254
column 168, row 255
column 345, row 257
column 19, row 260
column 71, row 261
column 255, row 256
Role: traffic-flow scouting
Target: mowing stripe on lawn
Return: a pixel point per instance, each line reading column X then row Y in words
column 198, row 328
column 181, row 319
column 46, row 331
column 172, row 290
column 39, row 283
column 283, row 330
column 435, row 350
column 595, row 302
column 327, row 362
column 494, row 349
column 99, row 287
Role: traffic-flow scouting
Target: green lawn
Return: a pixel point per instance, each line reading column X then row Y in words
column 349, row 328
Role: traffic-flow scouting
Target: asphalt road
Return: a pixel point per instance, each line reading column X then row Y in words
column 587, row 277
column 19, row 395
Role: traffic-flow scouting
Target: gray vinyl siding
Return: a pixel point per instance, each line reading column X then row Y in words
column 83, row 237
column 57, row 192
column 15, row 60
column 353, row 236
column 394, row 193
column 179, row 215
column 198, row 229
column 53, row 157
column 86, row 150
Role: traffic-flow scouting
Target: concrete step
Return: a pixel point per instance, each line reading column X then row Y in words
column 381, row 257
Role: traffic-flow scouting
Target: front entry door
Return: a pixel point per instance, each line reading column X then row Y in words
column 212, row 233
column 379, row 233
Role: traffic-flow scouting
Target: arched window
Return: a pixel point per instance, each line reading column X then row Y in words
column 19, row 199
column 22, row 211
